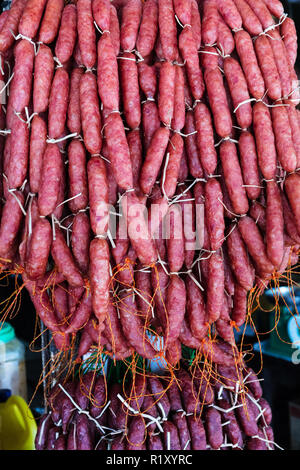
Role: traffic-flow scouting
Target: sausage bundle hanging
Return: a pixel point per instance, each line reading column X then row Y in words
column 150, row 155
column 89, row 414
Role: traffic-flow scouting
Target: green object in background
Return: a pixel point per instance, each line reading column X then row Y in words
column 17, row 424
column 7, row 333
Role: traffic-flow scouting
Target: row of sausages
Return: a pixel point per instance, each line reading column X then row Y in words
column 198, row 412
column 115, row 108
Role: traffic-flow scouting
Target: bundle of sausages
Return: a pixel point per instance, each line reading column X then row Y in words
column 153, row 413
column 186, row 109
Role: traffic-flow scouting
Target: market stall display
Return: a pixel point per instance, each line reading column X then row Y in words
column 150, row 174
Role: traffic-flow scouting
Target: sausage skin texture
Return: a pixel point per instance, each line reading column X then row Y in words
column 51, row 177
column 167, row 29
column 39, row 249
column 90, row 113
column 51, row 20
column 58, row 104
column 64, row 260
column 99, row 278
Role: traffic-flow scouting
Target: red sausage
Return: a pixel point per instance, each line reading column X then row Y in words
column 246, row 417
column 73, row 118
column 101, row 13
column 255, row 244
column 184, row 170
column 180, row 422
column 295, row 129
column 171, row 436
column 268, row 67
column 262, row 12
column 20, row 88
column 99, row 278
column 147, row 79
column 148, row 28
column 197, row 433
column 175, row 305
column 19, row 152
column 178, row 120
column 215, row 287
column 213, row 426
column 51, row 20
column 131, row 17
column 230, row 14
column 190, row 55
column 275, row 7
column 130, row 90
column 11, row 219
column 66, row 40
column 135, row 147
column 218, row 102
column 11, row 25
column 214, row 213
column 81, row 315
column 114, row 28
column 238, row 91
column 58, row 104
column 90, row 113
column 283, row 137
column 251, row 69
column 265, row 141
column 77, row 176
column 31, row 17
column 113, row 326
column 136, row 434
column 292, row 189
column 205, row 138
column 249, row 165
column 167, row 29
column 175, row 238
column 175, row 150
column 153, row 159
column 151, row 122
column 38, row 136
column 194, row 164
column 80, row 240
column 275, row 224
column 289, row 35
column 39, row 249
column 133, row 326
column 86, row 33
column 64, row 260
column 98, row 195
column 183, row 11
column 160, row 281
column 119, row 153
column 232, row 428
column 225, row 38
column 154, row 443
column 282, row 62
column 138, row 231
column 239, row 260
column 210, row 20
column 42, row 304
column 196, row 312
column 166, row 95
column 201, row 226
column 233, row 178
column 250, row 21
column 289, row 220
column 51, row 177
column 144, row 292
